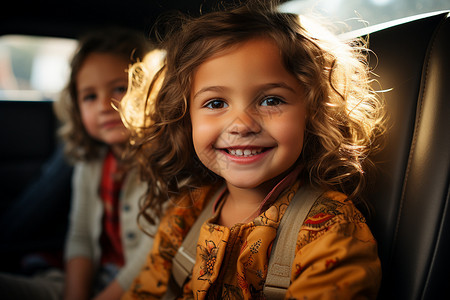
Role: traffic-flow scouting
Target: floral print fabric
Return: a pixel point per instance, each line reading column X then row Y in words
column 336, row 254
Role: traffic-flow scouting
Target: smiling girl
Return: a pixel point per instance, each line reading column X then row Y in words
column 254, row 107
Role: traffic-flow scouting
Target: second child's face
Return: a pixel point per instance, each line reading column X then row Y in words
column 101, row 79
column 248, row 114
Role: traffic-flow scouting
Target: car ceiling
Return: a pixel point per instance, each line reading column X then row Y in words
column 70, row 18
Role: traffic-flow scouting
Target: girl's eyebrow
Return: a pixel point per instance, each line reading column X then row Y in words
column 117, row 80
column 262, row 88
column 275, row 85
column 109, row 83
column 85, row 89
column 213, row 88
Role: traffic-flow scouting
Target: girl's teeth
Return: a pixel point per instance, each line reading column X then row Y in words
column 245, row 152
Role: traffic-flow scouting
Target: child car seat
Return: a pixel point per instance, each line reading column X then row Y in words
column 410, row 194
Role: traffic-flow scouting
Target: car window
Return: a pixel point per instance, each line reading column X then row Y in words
column 33, row 68
column 357, row 14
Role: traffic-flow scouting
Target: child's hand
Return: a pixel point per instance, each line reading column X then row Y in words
column 112, row 292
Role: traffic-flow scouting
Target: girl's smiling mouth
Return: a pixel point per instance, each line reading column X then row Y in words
column 245, row 154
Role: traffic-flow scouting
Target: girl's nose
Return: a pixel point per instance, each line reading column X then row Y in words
column 105, row 102
column 244, row 124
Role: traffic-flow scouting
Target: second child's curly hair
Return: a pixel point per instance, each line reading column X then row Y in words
column 129, row 44
column 344, row 116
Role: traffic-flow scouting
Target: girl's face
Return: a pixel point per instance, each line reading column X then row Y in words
column 248, row 114
column 102, row 78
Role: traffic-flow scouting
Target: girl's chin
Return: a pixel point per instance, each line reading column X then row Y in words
column 249, row 182
column 116, row 139
column 253, row 181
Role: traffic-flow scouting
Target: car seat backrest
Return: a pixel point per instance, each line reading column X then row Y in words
column 410, row 194
column 27, row 135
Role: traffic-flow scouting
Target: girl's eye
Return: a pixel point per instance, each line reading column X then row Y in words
column 271, row 101
column 89, row 97
column 216, row 104
column 120, row 89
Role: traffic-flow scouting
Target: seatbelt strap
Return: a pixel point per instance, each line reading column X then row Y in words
column 184, row 259
column 283, row 250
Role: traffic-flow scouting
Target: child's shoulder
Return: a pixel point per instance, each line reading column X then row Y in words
column 335, row 242
column 332, row 214
column 182, row 212
column 185, row 208
column 331, row 208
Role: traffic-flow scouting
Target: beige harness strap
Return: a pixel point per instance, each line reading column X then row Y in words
column 184, row 260
column 283, row 250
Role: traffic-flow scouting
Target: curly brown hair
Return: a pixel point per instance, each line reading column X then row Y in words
column 126, row 43
column 344, row 115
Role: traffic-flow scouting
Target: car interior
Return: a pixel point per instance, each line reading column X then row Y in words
column 410, row 194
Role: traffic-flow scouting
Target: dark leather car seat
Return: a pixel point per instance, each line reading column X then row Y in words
column 410, row 195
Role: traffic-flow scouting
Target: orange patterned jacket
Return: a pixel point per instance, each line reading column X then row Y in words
column 336, row 254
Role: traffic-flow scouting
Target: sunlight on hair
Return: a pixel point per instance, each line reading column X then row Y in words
column 143, row 87
column 321, row 29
